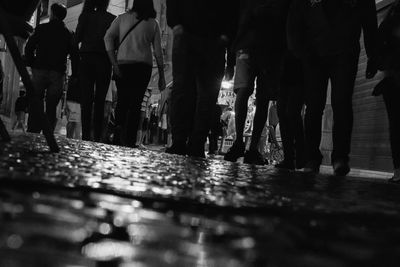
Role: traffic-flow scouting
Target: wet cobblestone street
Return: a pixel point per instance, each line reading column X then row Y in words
column 100, row 205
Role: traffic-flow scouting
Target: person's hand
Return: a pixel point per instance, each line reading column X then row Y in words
column 372, row 69
column 161, row 84
column 117, row 71
column 177, row 29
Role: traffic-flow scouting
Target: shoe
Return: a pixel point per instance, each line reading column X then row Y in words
column 300, row 163
column 177, row 150
column 235, row 151
column 254, row 157
column 396, row 177
column 341, row 168
column 312, row 166
column 286, row 165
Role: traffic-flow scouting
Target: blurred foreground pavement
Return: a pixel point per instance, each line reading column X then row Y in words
column 100, row 205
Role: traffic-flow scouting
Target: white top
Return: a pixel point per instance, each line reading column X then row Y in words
column 137, row 45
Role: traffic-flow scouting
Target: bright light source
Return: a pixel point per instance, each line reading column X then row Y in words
column 226, row 84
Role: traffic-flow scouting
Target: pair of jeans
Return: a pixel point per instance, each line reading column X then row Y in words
column 391, row 97
column 48, row 85
column 131, row 88
column 341, row 70
column 289, row 107
column 198, row 69
column 94, row 78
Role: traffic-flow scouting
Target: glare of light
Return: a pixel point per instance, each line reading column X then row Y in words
column 108, row 250
column 226, row 84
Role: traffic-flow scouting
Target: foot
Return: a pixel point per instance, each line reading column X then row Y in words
column 300, row 163
column 235, row 151
column 141, row 146
column 396, row 176
column 254, row 157
column 312, row 166
column 177, row 149
column 341, row 167
column 286, row 165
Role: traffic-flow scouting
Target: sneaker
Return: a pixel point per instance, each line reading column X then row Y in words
column 312, row 166
column 341, row 168
column 235, row 151
column 286, row 165
column 396, row 176
column 177, row 150
column 254, row 157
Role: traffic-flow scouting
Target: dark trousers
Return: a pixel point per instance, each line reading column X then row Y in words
column 341, row 70
column 289, row 106
column 198, row 71
column 48, row 86
column 95, row 75
column 130, row 92
column 391, row 98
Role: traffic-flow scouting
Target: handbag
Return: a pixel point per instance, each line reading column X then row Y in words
column 115, row 77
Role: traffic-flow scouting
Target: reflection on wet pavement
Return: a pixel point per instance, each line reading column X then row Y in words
column 100, row 205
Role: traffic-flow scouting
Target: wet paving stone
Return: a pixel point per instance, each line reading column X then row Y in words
column 100, row 205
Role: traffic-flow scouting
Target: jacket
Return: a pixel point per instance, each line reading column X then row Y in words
column 91, row 29
column 262, row 26
column 49, row 47
column 331, row 27
column 206, row 18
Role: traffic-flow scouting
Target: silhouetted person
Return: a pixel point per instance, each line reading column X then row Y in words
column 202, row 30
column 215, row 130
column 389, row 37
column 326, row 34
column 259, row 46
column 290, row 104
column 133, row 64
column 20, row 109
column 73, row 108
column 95, row 66
column 46, row 53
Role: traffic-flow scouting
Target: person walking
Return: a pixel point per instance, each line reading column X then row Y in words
column 95, row 66
column 259, row 46
column 289, row 106
column 21, row 108
column 326, row 35
column 215, row 131
column 389, row 87
column 137, row 33
column 46, row 53
column 202, row 31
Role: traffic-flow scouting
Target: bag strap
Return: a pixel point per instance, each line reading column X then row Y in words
column 128, row 32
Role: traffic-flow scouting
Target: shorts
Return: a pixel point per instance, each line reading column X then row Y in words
column 250, row 74
column 74, row 112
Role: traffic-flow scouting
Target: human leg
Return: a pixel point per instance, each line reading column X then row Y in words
column 209, row 70
column 87, row 78
column 102, row 81
column 243, row 86
column 393, row 110
column 40, row 82
column 343, row 74
column 183, row 96
column 137, row 77
column 316, row 76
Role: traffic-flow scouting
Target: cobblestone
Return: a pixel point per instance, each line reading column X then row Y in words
column 100, row 205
